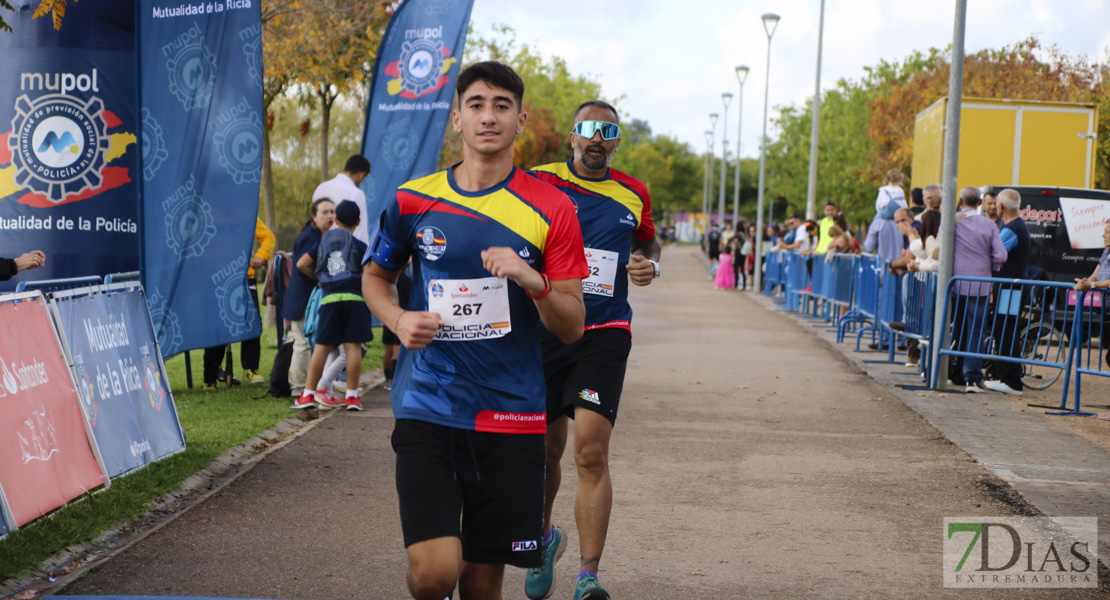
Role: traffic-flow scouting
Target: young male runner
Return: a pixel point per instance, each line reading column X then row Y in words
column 585, row 378
column 495, row 251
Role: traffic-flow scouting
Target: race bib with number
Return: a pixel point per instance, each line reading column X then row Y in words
column 471, row 309
column 603, row 272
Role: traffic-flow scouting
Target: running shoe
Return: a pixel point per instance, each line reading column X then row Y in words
column 210, row 386
column 388, row 384
column 303, row 402
column 539, row 582
column 354, row 404
column 252, row 376
column 975, row 387
column 328, row 402
column 589, row 589
column 998, row 386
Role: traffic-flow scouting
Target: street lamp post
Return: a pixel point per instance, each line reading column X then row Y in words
column 706, row 178
column 726, row 98
column 811, row 187
column 770, row 23
column 712, row 163
column 741, row 75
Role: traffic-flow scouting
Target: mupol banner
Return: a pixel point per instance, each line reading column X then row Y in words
column 410, row 101
column 68, row 152
column 120, row 378
column 200, row 86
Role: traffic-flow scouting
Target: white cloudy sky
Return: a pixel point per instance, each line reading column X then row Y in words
column 672, row 59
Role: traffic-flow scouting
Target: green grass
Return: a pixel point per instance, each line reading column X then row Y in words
column 213, row 420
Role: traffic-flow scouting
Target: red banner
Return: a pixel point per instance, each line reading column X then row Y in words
column 45, row 456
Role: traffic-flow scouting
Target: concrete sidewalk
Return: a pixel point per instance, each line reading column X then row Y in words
column 750, row 459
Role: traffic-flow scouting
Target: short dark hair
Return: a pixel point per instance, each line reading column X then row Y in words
column 357, row 164
column 495, row 74
column 599, row 104
column 917, row 195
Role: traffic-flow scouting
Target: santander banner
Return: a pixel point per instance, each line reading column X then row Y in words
column 46, row 458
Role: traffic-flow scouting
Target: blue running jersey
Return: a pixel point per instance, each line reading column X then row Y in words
column 613, row 211
column 484, row 369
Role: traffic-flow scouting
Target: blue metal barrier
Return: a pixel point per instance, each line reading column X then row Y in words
column 1090, row 323
column 772, row 273
column 117, row 277
column 797, row 280
column 52, row 285
column 890, row 311
column 920, row 313
column 868, row 277
column 1023, row 326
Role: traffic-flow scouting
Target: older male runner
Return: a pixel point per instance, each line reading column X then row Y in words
column 584, row 379
column 495, row 252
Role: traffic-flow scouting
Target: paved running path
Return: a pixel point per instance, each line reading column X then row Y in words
column 750, row 460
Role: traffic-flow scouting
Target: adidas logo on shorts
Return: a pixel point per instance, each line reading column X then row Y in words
column 525, row 546
column 590, row 396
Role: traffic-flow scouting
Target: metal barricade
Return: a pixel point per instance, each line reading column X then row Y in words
column 1011, row 321
column 919, row 311
column 772, row 273
column 890, row 311
column 867, row 288
column 797, row 280
column 117, row 277
column 52, row 285
column 1090, row 323
column 844, row 278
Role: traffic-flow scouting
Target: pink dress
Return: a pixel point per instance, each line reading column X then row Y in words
column 725, row 279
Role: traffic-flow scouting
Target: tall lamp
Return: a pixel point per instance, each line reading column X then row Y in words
column 770, row 23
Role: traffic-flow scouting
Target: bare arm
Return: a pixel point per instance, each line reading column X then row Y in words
column 562, row 311
column 415, row 329
column 306, row 265
column 640, row 271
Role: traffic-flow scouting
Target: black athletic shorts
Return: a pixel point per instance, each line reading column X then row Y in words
column 499, row 497
column 588, row 373
column 389, row 338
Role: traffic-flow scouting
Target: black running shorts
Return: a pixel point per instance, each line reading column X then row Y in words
column 588, row 373
column 495, row 481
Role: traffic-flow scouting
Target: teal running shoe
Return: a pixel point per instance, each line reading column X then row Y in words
column 539, row 582
column 588, row 588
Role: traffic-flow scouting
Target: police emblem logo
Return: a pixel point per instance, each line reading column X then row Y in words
column 336, row 263
column 420, row 62
column 192, row 75
column 399, row 144
column 167, row 326
column 239, row 147
column 437, row 290
column 432, row 243
column 190, row 226
column 58, row 144
column 154, row 145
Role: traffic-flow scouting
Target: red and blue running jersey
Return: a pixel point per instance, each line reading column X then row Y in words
column 484, row 369
column 613, row 211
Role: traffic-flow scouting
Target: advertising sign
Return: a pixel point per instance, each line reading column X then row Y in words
column 410, row 101
column 45, row 455
column 200, row 86
column 68, row 146
column 120, row 378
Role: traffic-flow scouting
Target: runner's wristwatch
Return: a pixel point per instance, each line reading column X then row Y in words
column 655, row 266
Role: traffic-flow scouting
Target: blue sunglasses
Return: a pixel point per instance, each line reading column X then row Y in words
column 587, row 129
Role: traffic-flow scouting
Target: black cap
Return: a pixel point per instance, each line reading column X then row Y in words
column 347, row 213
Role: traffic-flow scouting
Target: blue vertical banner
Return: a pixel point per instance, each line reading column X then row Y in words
column 410, row 95
column 121, row 380
column 68, row 147
column 200, row 89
